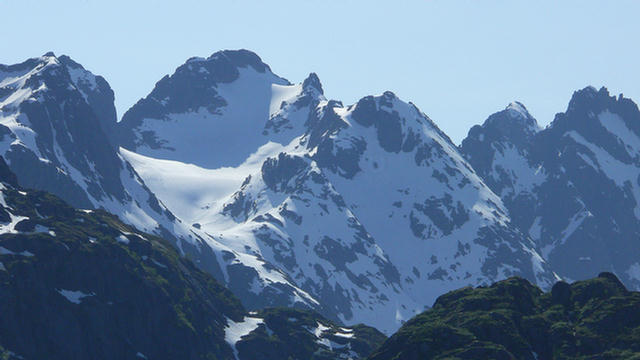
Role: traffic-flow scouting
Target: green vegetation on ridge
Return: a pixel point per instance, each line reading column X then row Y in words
column 512, row 319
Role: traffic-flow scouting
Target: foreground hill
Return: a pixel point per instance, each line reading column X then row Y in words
column 80, row 284
column 512, row 319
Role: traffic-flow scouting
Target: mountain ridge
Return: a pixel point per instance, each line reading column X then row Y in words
column 571, row 186
column 288, row 197
column 302, row 124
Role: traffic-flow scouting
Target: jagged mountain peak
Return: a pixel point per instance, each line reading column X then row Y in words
column 385, row 100
column 514, row 124
column 227, row 104
column 501, row 142
column 589, row 97
column 504, row 136
column 38, row 65
column 64, row 108
column 221, row 67
column 237, row 58
column 400, row 125
column 61, row 73
column 613, row 123
column 573, row 186
column 195, row 84
column 517, row 110
column 20, row 75
column 589, row 101
column 588, row 92
column 54, row 120
column 586, row 104
column 313, row 82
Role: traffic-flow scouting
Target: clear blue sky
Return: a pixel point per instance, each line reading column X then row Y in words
column 458, row 61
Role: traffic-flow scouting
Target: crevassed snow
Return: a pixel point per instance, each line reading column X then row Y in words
column 74, row 296
column 236, row 330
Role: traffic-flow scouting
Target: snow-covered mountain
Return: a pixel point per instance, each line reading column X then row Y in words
column 55, row 118
column 368, row 210
column 194, row 115
column 365, row 213
column 574, row 186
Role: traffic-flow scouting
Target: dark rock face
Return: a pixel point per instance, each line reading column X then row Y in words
column 6, row 175
column 188, row 89
column 513, row 319
column 96, row 92
column 277, row 172
column 388, row 124
column 572, row 186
